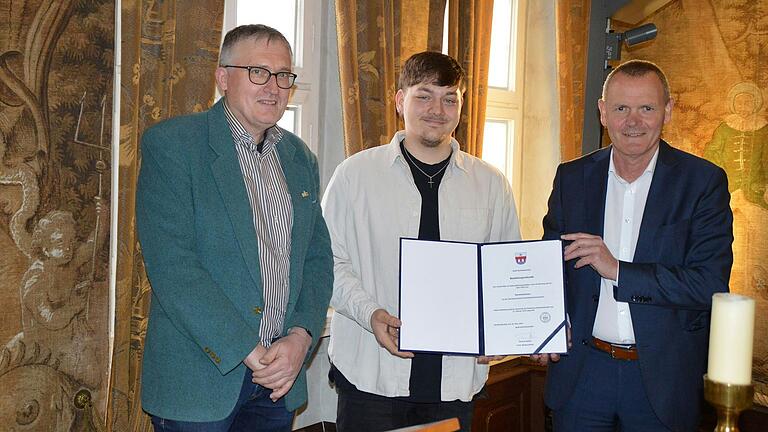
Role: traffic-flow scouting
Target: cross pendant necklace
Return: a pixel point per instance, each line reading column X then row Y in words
column 429, row 177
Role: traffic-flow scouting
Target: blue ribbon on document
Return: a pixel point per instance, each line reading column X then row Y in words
column 549, row 338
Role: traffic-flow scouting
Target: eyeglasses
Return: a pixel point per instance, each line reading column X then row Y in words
column 260, row 76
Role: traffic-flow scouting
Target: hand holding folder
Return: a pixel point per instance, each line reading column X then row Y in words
column 386, row 329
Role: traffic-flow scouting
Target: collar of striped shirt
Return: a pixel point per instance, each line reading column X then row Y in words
column 241, row 136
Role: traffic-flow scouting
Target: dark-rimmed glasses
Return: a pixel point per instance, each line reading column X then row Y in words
column 260, row 76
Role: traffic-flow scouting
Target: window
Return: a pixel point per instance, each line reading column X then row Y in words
column 501, row 71
column 503, row 115
column 288, row 16
column 496, row 142
column 291, row 119
column 503, row 111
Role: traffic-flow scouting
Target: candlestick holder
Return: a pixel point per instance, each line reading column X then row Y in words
column 729, row 400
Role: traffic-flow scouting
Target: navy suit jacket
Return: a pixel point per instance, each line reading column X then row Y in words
column 683, row 256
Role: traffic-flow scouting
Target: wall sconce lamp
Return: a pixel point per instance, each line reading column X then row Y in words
column 631, row 37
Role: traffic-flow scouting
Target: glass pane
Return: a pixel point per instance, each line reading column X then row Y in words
column 502, row 44
column 278, row 14
column 496, row 144
column 288, row 121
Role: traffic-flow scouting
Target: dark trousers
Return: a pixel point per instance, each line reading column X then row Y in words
column 364, row 412
column 254, row 411
column 609, row 396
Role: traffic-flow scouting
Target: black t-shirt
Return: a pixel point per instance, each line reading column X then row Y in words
column 426, row 369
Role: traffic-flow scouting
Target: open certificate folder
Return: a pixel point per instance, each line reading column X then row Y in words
column 482, row 299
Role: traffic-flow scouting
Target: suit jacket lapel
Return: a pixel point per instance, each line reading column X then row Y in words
column 595, row 181
column 229, row 180
column 653, row 215
column 303, row 196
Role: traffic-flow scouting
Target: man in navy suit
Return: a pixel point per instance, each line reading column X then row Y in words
column 648, row 233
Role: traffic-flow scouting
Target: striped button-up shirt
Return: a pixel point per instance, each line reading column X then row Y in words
column 272, row 218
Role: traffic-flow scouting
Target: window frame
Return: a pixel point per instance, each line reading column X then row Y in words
column 506, row 104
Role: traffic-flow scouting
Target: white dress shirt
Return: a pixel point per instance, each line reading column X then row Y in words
column 370, row 203
column 624, row 207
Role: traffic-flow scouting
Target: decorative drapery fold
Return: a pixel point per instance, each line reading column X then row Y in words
column 572, row 17
column 368, row 53
column 470, row 44
column 376, row 37
column 169, row 54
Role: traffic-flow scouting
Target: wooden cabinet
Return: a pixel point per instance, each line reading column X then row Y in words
column 515, row 399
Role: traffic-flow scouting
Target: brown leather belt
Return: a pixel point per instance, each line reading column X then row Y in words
column 615, row 351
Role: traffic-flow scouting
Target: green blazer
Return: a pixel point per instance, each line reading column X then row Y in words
column 201, row 255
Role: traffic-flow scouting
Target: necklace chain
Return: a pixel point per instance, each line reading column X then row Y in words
column 430, row 177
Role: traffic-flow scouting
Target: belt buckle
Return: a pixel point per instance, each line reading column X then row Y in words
column 613, row 352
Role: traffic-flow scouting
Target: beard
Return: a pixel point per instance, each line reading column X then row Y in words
column 432, row 139
column 432, row 143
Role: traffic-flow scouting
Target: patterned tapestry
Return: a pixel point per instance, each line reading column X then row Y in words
column 715, row 53
column 56, row 62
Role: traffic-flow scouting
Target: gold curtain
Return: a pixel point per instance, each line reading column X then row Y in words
column 169, row 54
column 376, row 37
column 572, row 17
column 369, row 48
column 470, row 44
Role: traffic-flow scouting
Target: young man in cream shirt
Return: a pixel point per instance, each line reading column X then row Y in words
column 419, row 185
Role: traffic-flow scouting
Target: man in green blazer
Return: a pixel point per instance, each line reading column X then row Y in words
column 236, row 250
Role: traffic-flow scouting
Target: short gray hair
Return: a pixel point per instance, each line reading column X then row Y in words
column 638, row 68
column 249, row 31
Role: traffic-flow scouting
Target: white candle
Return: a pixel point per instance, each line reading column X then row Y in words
column 730, row 339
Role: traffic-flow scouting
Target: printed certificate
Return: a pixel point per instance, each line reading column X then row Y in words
column 482, row 299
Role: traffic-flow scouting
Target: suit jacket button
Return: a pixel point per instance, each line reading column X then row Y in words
column 207, row 350
column 584, row 342
column 257, row 310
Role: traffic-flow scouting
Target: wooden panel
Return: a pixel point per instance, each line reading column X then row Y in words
column 449, row 425
column 509, row 416
column 514, row 399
